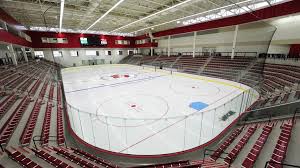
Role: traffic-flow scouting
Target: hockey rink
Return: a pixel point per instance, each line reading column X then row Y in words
column 144, row 111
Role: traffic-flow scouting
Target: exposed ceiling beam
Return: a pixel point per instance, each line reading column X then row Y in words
column 106, row 13
column 144, row 18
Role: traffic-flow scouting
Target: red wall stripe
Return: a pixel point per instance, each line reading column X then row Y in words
column 295, row 51
column 10, row 38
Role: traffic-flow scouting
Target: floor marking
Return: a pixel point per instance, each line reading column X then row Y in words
column 116, row 84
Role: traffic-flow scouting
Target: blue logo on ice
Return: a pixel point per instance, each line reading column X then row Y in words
column 198, row 105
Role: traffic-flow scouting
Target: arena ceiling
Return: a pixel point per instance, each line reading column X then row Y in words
column 131, row 17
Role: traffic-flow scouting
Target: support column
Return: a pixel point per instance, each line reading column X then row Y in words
column 169, row 52
column 24, row 53
column 5, row 26
column 12, row 54
column 234, row 41
column 151, row 48
column 32, row 53
column 194, row 43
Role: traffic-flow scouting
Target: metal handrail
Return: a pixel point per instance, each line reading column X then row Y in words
column 40, row 139
column 282, row 164
column 210, row 150
column 1, row 147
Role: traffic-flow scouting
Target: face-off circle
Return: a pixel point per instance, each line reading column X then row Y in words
column 136, row 109
column 118, row 76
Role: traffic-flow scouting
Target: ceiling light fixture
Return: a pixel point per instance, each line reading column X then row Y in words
column 181, row 3
column 62, row 6
column 106, row 13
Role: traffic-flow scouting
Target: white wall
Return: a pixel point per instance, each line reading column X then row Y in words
column 68, row 60
column 3, row 51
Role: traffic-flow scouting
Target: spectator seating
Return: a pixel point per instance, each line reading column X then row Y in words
column 51, row 159
column 60, row 127
column 226, row 143
column 22, row 159
column 239, row 146
column 280, row 150
column 34, row 88
column 93, row 158
column 51, row 92
column 30, row 125
column 73, row 158
column 43, row 90
column 46, row 125
column 8, row 128
column 7, row 103
column 257, row 147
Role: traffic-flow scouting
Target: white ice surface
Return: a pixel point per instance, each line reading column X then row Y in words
column 147, row 112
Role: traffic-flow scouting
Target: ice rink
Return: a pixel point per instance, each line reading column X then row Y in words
column 140, row 110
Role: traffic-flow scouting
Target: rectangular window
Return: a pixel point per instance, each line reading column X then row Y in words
column 54, row 40
column 120, row 52
column 39, row 54
column 90, row 52
column 122, row 42
column 107, row 52
column 57, row 54
column 74, row 53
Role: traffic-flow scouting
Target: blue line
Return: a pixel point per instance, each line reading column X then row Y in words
column 118, row 84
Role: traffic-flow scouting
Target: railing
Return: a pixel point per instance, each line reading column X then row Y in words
column 190, row 129
column 207, row 154
column 287, row 110
column 281, row 164
column 39, row 139
column 1, row 147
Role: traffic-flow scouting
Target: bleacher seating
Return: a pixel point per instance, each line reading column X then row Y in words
column 51, row 159
column 239, row 146
column 22, row 159
column 30, row 125
column 189, row 64
column 280, row 150
column 43, row 90
column 226, row 143
column 73, row 158
column 94, row 158
column 8, row 128
column 7, row 103
column 257, row 147
column 46, row 125
column 60, row 127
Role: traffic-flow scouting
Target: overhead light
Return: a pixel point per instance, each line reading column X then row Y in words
column 106, row 13
column 62, row 6
column 181, row 3
column 178, row 22
column 152, row 28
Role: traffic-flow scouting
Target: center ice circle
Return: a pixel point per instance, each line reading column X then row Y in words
column 136, row 109
column 118, row 76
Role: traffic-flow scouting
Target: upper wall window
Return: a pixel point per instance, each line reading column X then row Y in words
column 107, row 52
column 39, row 54
column 91, row 52
column 120, row 52
column 54, row 40
column 74, row 53
column 57, row 54
column 122, row 42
